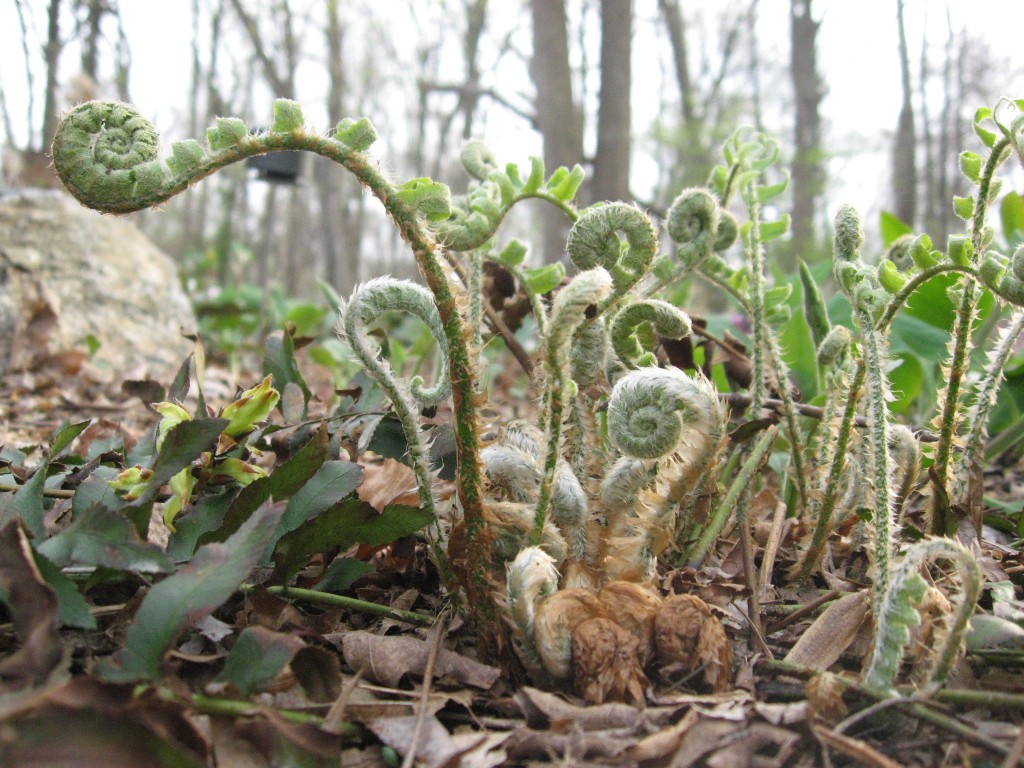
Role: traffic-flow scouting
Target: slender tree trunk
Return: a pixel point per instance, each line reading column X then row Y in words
column 557, row 117
column 51, row 52
column 611, row 165
column 904, row 165
column 808, row 177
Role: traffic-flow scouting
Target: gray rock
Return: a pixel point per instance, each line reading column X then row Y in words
column 67, row 273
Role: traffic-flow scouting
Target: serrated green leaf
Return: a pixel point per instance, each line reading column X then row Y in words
column 541, row 280
column 199, row 588
column 27, row 504
column 256, row 657
column 332, row 482
column 206, row 515
column 892, row 228
column 100, row 537
column 279, row 363
column 96, row 490
column 226, row 132
column 346, row 523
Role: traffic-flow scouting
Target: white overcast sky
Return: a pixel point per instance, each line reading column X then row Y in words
column 857, row 53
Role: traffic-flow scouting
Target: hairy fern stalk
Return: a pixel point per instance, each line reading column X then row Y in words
column 607, row 479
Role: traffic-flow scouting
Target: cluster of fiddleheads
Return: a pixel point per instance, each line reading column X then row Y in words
column 577, row 500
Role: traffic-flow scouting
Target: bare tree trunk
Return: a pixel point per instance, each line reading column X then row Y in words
column 947, row 125
column 808, row 175
column 91, row 39
column 611, row 165
column 931, row 202
column 755, row 67
column 557, row 117
column 904, row 164
column 51, row 53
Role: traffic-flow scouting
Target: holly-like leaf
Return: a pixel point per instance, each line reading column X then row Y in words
column 100, row 537
column 212, row 576
column 342, row 574
column 73, row 610
column 332, row 482
column 343, row 525
column 64, row 436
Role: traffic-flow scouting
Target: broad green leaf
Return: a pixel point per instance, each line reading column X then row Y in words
column 1011, row 211
column 541, row 280
column 892, row 228
column 349, row 522
column 199, row 588
column 342, row 573
column 73, row 610
column 64, row 436
column 332, row 482
column 279, row 363
column 100, row 537
column 256, row 657
column 27, row 504
column 206, row 515
column 96, row 490
column 970, row 165
column 988, row 138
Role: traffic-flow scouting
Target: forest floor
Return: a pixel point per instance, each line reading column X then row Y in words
column 467, row 712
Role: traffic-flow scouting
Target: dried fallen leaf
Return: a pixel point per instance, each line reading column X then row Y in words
column 831, row 633
column 435, row 746
column 387, row 660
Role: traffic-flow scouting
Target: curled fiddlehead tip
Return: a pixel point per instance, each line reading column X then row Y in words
column 383, row 294
column 105, row 153
column 849, row 235
column 692, row 223
column 594, row 242
column 650, row 410
column 667, row 320
column 478, row 160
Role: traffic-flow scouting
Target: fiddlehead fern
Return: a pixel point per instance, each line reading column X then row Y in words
column 651, row 410
column 668, row 321
column 368, row 302
column 692, row 223
column 567, row 314
column 594, row 242
column 897, row 615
